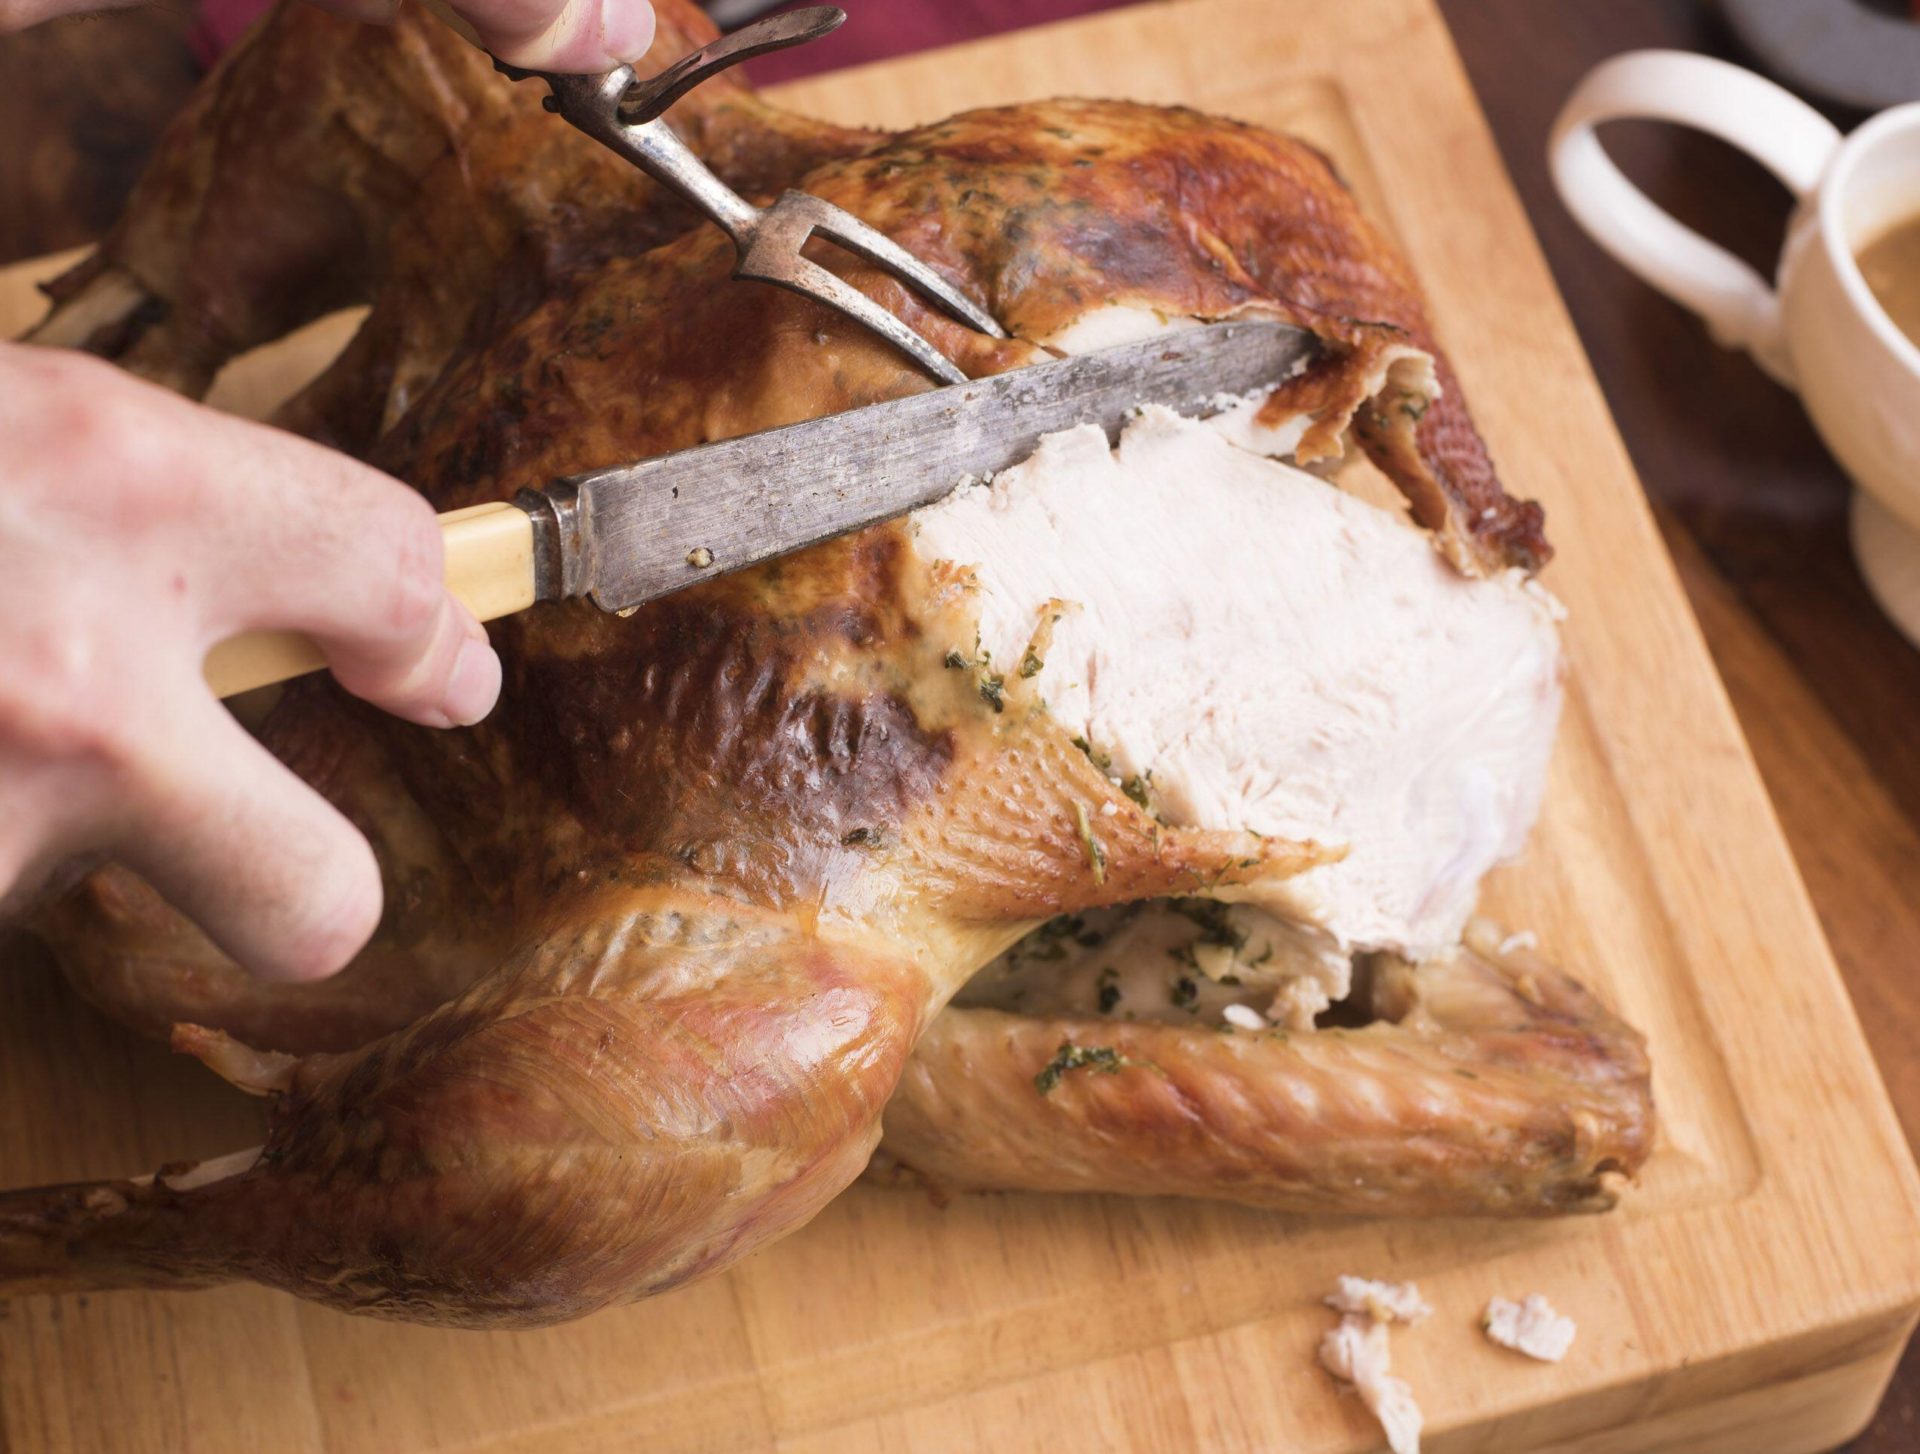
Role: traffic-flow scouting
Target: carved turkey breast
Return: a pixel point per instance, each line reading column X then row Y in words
column 1109, row 826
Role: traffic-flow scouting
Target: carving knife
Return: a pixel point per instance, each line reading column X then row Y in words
column 622, row 536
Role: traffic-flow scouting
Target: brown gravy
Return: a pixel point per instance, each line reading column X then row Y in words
column 1891, row 266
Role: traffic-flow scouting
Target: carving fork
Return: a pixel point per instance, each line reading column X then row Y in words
column 624, row 114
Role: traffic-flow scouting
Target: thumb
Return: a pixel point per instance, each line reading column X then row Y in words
column 562, row 35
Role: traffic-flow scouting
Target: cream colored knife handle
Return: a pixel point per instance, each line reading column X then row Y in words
column 489, row 567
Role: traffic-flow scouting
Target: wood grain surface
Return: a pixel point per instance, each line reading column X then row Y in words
column 1754, row 511
column 1658, row 873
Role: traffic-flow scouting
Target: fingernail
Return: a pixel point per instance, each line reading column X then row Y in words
column 475, row 684
column 626, row 29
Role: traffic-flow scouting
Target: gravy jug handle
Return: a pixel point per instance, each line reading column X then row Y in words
column 1773, row 126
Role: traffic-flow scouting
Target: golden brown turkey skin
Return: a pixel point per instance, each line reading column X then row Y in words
column 717, row 980
column 407, row 174
column 656, row 1085
column 822, row 824
column 400, row 171
column 1188, row 214
column 1482, row 1088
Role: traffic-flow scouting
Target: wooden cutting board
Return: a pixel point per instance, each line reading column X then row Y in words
column 1751, row 1295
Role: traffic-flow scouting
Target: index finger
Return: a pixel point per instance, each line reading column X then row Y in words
column 305, row 539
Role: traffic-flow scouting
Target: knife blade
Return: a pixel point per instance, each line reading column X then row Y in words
column 628, row 534
column 625, row 535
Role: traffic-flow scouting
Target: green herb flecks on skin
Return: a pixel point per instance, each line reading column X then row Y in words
column 1032, row 662
column 1094, row 849
column 1101, row 1058
column 1098, row 759
column 1135, row 787
column 993, row 685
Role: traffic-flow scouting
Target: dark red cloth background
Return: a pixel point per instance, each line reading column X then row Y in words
column 875, row 29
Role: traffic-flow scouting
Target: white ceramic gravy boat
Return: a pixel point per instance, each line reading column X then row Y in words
column 1818, row 329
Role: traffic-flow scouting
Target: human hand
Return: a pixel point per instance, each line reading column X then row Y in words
column 136, row 530
column 550, row 35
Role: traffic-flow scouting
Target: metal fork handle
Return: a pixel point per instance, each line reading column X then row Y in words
column 663, row 156
column 651, row 97
column 592, row 103
column 624, row 115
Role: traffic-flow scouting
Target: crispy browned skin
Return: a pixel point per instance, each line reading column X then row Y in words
column 627, row 1102
column 718, row 866
column 717, row 981
column 401, row 171
column 1481, row 1087
column 1265, row 217
column 408, row 175
column 583, row 382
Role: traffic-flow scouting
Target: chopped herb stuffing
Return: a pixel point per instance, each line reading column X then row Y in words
column 1185, row 994
column 1048, row 942
column 1216, row 924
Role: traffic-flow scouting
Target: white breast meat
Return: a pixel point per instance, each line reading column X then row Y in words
column 1250, row 647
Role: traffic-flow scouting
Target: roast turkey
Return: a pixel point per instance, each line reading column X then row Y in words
column 1177, row 765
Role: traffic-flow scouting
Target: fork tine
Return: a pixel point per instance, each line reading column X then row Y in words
column 882, row 251
column 806, row 277
column 768, row 242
